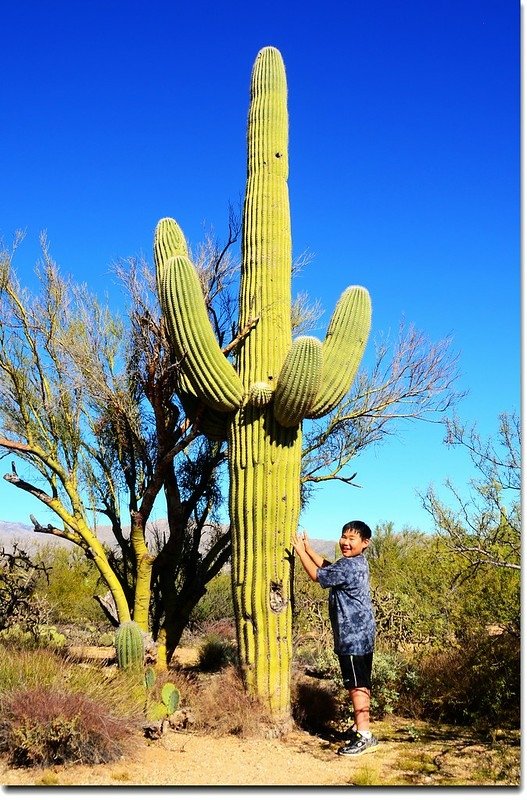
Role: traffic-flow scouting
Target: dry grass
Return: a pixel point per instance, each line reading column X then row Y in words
column 45, row 726
column 220, row 705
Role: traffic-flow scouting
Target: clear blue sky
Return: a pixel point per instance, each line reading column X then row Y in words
column 404, row 174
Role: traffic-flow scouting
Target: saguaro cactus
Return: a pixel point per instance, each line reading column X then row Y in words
column 275, row 383
column 129, row 645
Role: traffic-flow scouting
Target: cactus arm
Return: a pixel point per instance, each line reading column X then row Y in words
column 343, row 348
column 211, row 376
column 299, row 381
column 169, row 241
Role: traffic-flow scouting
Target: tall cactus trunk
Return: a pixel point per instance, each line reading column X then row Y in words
column 260, row 402
column 264, row 509
column 264, row 457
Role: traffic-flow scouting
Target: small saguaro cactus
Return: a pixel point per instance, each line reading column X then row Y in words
column 260, row 401
column 129, row 645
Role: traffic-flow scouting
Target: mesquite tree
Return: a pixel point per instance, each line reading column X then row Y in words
column 260, row 402
column 88, row 407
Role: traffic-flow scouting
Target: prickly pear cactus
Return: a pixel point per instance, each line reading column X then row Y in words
column 260, row 401
column 129, row 645
column 170, row 697
column 162, row 707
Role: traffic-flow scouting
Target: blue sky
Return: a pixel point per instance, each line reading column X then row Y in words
column 404, row 174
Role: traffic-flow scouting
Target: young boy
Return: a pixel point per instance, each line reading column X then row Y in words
column 352, row 621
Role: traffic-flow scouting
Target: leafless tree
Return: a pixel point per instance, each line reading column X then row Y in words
column 411, row 379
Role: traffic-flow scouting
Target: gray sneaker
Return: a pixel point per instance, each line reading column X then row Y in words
column 352, row 735
column 356, row 747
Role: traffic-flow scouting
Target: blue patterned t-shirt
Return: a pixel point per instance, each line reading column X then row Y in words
column 350, row 607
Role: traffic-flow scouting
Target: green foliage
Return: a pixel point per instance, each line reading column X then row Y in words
column 216, row 604
column 215, row 653
column 387, row 672
column 72, row 581
column 418, row 597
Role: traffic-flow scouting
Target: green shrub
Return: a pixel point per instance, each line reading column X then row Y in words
column 476, row 683
column 71, row 584
column 387, row 677
column 216, row 603
column 216, row 653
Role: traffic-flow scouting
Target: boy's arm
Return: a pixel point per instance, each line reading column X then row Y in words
column 319, row 560
column 308, row 562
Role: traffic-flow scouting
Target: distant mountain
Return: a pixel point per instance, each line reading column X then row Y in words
column 25, row 536
column 325, row 547
column 18, row 533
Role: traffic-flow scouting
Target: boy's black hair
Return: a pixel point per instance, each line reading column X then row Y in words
column 356, row 525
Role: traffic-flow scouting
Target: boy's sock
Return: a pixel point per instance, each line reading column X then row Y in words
column 365, row 734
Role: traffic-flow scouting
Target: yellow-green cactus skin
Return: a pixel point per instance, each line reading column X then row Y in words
column 272, row 387
column 343, row 348
column 211, row 376
column 299, row 381
column 129, row 645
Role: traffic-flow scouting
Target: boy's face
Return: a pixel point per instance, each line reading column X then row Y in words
column 351, row 544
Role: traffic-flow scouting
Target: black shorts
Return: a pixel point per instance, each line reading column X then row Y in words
column 356, row 671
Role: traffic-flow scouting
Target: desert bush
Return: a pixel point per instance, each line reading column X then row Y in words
column 216, row 603
column 422, row 595
column 477, row 683
column 215, row 653
column 72, row 581
column 387, row 677
column 43, row 726
column 49, row 706
column 315, row 704
column 242, row 715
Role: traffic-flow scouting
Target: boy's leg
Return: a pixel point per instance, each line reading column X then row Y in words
column 360, row 699
column 356, row 674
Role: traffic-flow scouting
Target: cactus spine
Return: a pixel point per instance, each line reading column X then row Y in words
column 129, row 645
column 274, row 386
